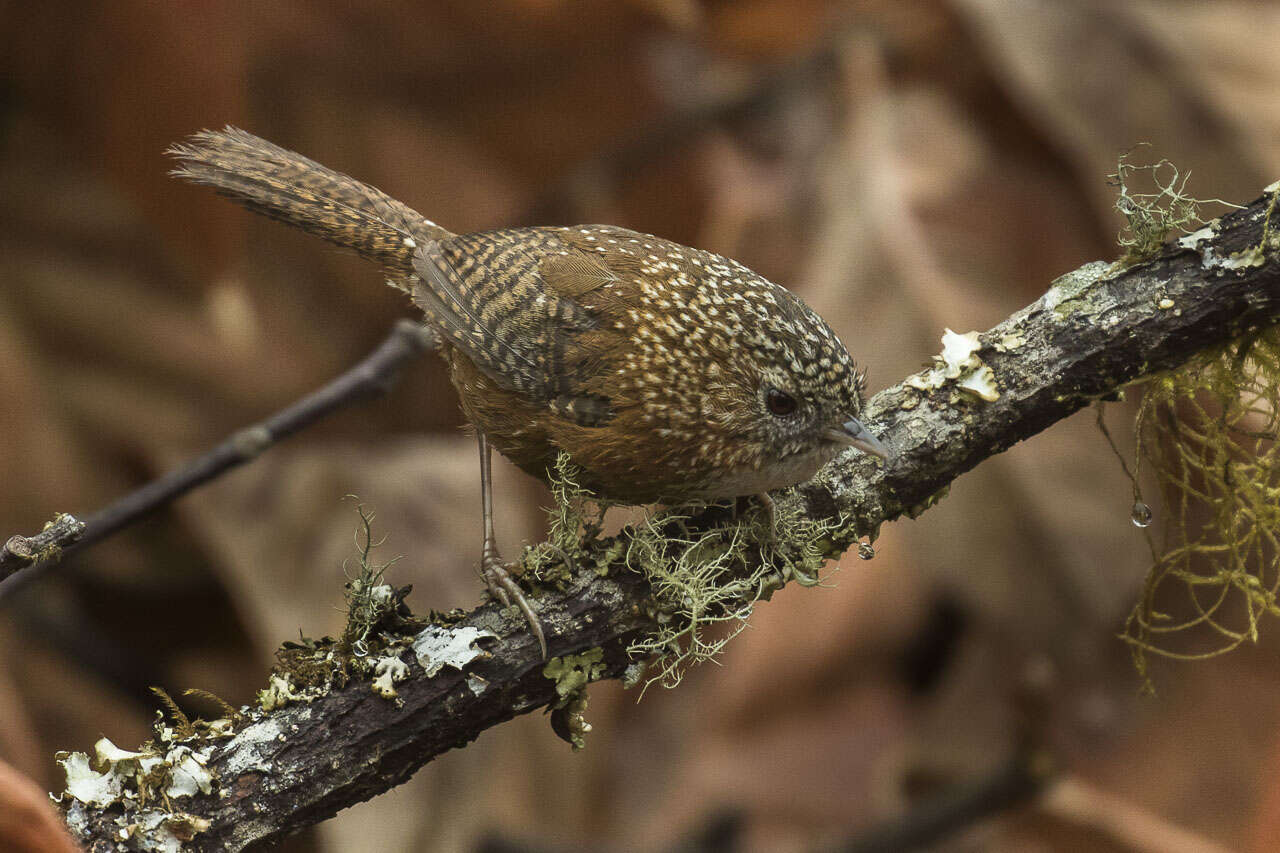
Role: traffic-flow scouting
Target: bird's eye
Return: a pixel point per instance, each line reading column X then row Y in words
column 780, row 403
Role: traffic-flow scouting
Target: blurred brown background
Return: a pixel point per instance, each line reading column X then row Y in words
column 904, row 165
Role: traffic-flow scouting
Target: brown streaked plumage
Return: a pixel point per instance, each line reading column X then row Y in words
column 667, row 373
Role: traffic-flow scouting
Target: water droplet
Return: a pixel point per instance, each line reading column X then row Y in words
column 1141, row 515
column 866, row 550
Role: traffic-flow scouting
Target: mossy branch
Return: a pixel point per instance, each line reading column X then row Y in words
column 1095, row 331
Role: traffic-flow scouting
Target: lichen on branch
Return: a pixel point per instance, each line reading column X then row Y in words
column 1153, row 199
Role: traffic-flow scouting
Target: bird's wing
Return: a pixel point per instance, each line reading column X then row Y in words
column 511, row 301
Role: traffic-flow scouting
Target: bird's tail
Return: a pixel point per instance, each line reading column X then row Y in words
column 293, row 189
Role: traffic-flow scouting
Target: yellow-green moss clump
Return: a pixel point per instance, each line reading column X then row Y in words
column 1208, row 433
column 707, row 585
column 572, row 674
column 705, row 581
column 574, row 520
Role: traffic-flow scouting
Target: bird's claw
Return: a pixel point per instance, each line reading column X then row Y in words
column 504, row 588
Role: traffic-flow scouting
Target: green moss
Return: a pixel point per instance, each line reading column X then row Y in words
column 571, row 673
column 184, row 728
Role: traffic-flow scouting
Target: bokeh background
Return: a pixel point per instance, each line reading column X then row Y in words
column 906, row 166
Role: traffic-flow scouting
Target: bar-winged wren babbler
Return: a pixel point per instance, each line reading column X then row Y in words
column 667, row 374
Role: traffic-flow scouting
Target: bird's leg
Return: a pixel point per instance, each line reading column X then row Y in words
column 776, row 579
column 790, row 569
column 770, row 511
column 496, row 577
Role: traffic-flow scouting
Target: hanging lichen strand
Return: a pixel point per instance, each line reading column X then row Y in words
column 1208, row 435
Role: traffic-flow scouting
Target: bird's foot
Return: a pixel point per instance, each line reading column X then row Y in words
column 504, row 588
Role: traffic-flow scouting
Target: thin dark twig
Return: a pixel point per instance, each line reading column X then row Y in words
column 372, row 376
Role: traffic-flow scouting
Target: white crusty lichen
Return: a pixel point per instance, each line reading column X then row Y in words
column 1199, row 241
column 88, row 785
column 135, row 780
column 387, row 671
column 189, row 774
column 1193, row 240
column 1069, row 290
column 1010, row 342
column 164, row 832
column 177, row 772
column 959, row 363
column 280, row 692
column 958, row 352
column 253, row 745
column 152, row 830
column 437, row 647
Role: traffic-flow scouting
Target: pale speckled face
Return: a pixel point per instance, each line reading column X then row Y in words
column 805, row 382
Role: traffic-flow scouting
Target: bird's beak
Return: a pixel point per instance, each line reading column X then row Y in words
column 854, row 434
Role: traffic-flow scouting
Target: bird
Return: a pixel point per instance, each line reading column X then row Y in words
column 667, row 374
